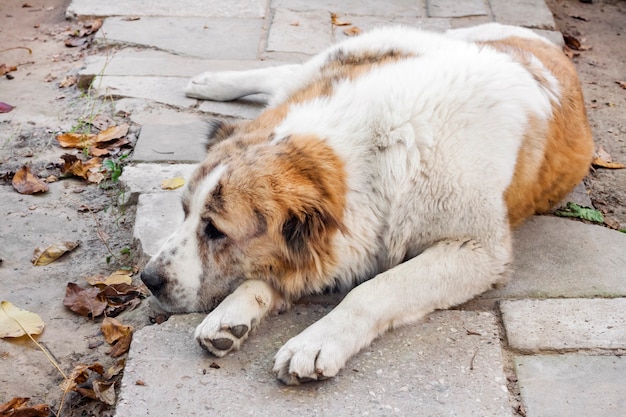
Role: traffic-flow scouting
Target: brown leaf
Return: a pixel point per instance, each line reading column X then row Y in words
column 101, row 122
column 113, row 330
column 105, row 391
column 115, row 369
column 118, row 277
column 84, row 301
column 68, row 81
column 334, row 19
column 101, row 150
column 353, row 31
column 574, row 43
column 621, row 84
column 118, row 294
column 25, row 182
column 122, row 346
column 5, row 69
column 52, row 253
column 113, row 132
column 601, row 163
column 76, row 140
column 78, row 168
column 16, row 408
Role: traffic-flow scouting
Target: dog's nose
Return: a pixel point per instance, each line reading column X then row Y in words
column 153, row 280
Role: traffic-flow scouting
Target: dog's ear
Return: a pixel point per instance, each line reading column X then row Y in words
column 218, row 130
column 308, row 233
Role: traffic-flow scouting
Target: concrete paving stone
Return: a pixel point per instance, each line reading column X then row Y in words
column 455, row 8
column 192, row 8
column 366, row 23
column 433, row 368
column 572, row 385
column 145, row 112
column 306, row 32
column 527, row 13
column 166, row 90
column 157, row 216
column 577, row 323
column 556, row 257
column 180, row 143
column 151, row 62
column 210, row 38
column 147, row 177
column 245, row 108
column 413, row 8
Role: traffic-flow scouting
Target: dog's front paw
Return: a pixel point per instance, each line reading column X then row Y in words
column 317, row 353
column 220, row 336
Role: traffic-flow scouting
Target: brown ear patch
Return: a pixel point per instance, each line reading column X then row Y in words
column 218, row 130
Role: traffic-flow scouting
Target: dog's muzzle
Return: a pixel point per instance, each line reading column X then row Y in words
column 153, row 279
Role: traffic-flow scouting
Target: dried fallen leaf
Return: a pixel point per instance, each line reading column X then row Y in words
column 118, row 277
column 113, row 330
column 621, row 84
column 574, row 43
column 75, row 140
column 16, row 408
column 601, row 163
column 105, row 391
column 88, row 170
column 172, row 183
column 52, row 253
column 84, row 301
column 68, row 81
column 353, row 31
column 334, row 19
column 115, row 369
column 11, row 315
column 5, row 108
column 25, row 182
column 5, row 69
column 113, row 132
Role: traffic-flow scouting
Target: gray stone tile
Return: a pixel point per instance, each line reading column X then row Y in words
column 535, row 325
column 245, row 108
column 189, row 8
column 455, row 8
column 210, row 38
column 306, row 32
column 528, row 13
column 434, row 367
column 167, row 90
column 414, row 8
column 366, row 23
column 572, row 385
column 157, row 216
column 180, row 143
column 556, row 257
column 145, row 112
column 146, row 177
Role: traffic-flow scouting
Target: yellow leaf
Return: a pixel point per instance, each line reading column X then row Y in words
column 117, row 277
column 599, row 162
column 335, row 20
column 11, row 317
column 52, row 253
column 353, row 31
column 172, row 183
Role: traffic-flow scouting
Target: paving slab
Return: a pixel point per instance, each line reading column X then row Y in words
column 205, row 8
column 245, row 108
column 175, row 143
column 455, row 8
column 527, row 13
column 306, row 32
column 210, row 38
column 166, row 90
column 157, row 216
column 579, row 323
column 146, row 112
column 556, row 257
column 413, row 8
column 147, row 177
column 572, row 385
column 366, row 23
column 433, row 368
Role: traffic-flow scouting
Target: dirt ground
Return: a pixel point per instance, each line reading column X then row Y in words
column 43, row 109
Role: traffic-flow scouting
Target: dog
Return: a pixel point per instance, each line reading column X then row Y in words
column 392, row 166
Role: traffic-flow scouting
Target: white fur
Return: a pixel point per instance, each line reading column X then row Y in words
column 429, row 145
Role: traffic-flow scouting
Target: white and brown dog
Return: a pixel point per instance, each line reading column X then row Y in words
column 394, row 163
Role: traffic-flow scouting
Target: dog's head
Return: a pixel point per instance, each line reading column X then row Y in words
column 256, row 208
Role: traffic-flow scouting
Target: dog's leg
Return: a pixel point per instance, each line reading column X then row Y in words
column 226, row 327
column 446, row 274
column 231, row 85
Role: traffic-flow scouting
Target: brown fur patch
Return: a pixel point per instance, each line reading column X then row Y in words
column 541, row 181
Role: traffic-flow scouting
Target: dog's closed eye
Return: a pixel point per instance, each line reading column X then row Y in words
column 212, row 232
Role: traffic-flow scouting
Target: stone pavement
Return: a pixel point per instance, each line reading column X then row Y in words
column 547, row 344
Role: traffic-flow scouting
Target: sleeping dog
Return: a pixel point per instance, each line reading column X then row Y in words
column 392, row 165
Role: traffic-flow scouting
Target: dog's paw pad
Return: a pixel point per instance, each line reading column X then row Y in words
column 221, row 343
column 239, row 331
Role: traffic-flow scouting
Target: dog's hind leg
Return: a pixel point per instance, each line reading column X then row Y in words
column 231, row 85
column 448, row 273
